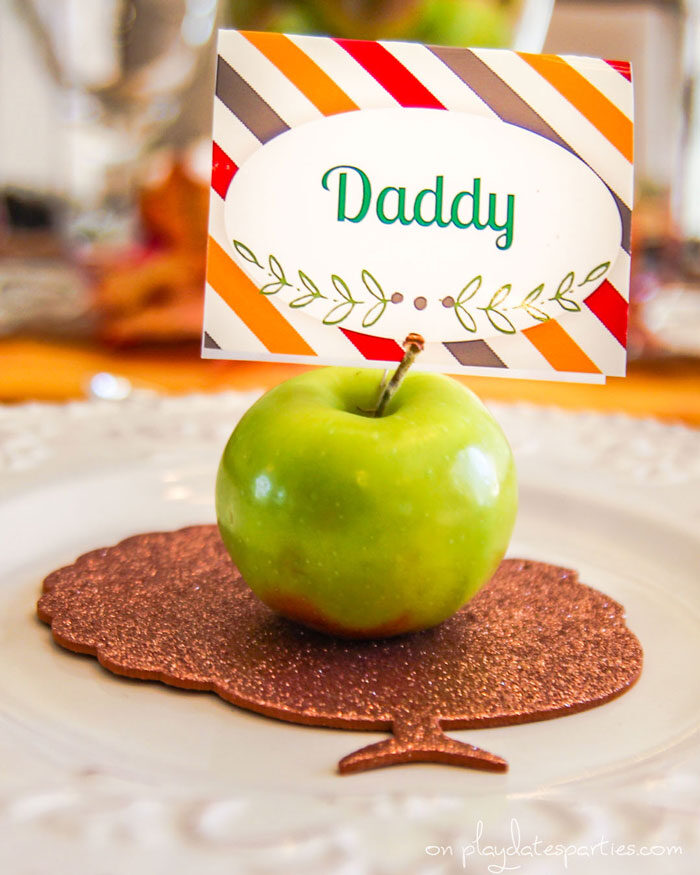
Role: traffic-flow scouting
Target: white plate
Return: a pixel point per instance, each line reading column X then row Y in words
column 120, row 770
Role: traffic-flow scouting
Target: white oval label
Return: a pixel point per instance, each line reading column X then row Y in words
column 395, row 220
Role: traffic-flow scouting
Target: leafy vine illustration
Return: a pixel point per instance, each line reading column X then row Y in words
column 281, row 280
column 276, row 270
column 495, row 310
column 344, row 302
column 599, row 271
column 465, row 317
column 312, row 292
column 497, row 317
column 346, row 306
column 560, row 295
column 246, row 253
column 528, row 304
column 375, row 313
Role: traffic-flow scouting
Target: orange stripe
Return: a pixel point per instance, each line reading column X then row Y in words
column 612, row 123
column 298, row 67
column 259, row 314
column 559, row 349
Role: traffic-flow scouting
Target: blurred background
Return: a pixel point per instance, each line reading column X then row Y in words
column 105, row 110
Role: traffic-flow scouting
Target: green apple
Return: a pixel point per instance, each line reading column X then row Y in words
column 362, row 526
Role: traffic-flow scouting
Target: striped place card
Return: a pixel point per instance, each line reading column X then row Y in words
column 363, row 190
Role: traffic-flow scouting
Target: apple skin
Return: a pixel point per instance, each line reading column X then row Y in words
column 360, row 526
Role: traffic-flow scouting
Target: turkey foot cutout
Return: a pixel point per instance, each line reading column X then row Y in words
column 533, row 644
column 415, row 742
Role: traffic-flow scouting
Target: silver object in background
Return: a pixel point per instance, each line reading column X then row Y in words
column 118, row 73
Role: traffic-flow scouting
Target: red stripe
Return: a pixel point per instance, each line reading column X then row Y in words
column 390, row 73
column 622, row 67
column 222, row 170
column 378, row 349
column 611, row 308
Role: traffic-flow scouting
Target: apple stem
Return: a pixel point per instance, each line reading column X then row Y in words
column 413, row 344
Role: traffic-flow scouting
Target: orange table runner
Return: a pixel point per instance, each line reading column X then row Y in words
column 32, row 370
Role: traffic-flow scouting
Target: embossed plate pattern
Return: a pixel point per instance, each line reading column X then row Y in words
column 151, row 780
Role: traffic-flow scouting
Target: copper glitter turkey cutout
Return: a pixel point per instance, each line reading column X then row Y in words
column 170, row 606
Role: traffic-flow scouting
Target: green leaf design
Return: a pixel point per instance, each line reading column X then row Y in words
column 464, row 315
column 466, row 319
column 302, row 301
column 501, row 295
column 532, row 296
column 246, row 253
column 494, row 310
column 527, row 304
column 309, row 284
column 375, row 313
column 569, row 305
column 596, row 273
column 278, row 272
column 313, row 292
column 468, row 292
column 498, row 319
column 560, row 295
column 338, row 314
column 346, row 306
column 343, row 289
column 373, row 286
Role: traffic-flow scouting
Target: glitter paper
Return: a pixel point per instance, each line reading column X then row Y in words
column 533, row 644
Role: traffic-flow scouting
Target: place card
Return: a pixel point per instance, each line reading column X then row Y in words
column 362, row 190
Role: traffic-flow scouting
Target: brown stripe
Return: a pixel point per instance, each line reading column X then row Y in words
column 626, row 219
column 496, row 93
column 209, row 342
column 475, row 353
column 246, row 104
column 510, row 106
